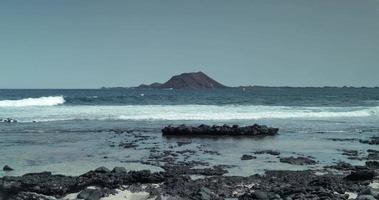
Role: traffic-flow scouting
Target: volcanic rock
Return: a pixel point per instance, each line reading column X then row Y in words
column 248, row 157
column 298, row 161
column 225, row 130
column 7, row 168
column 361, row 175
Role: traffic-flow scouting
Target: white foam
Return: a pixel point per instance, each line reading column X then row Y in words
column 184, row 112
column 41, row 101
column 351, row 195
column 126, row 194
column 374, row 185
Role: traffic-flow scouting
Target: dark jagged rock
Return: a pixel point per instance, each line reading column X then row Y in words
column 119, row 170
column 298, row 161
column 352, row 154
column 372, row 141
column 102, row 170
column 343, row 166
column 46, row 183
column 176, row 185
column 372, row 164
column 188, row 170
column 373, row 154
column 270, row 152
column 7, row 168
column 225, row 130
column 193, row 80
column 248, row 157
column 361, row 175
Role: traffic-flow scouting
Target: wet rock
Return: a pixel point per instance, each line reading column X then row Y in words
column 270, row 152
column 184, row 169
column 127, row 145
column 373, row 154
column 298, row 161
column 48, row 184
column 118, row 170
column 342, row 139
column 175, row 183
column 102, row 170
column 212, row 152
column 248, row 157
column 350, row 152
column 90, row 194
column 7, row 168
column 342, row 166
column 372, row 164
column 254, row 130
column 361, row 175
column 372, row 151
column 182, row 143
column 372, row 141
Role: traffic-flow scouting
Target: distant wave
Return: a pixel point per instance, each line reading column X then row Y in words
column 185, row 112
column 41, row 101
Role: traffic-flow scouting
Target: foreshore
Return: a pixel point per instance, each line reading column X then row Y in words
column 341, row 181
column 183, row 178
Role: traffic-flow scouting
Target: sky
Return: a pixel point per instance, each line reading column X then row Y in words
column 94, row 43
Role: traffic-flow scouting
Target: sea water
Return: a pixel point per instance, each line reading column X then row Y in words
column 70, row 131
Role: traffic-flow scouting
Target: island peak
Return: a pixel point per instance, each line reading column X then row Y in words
column 189, row 80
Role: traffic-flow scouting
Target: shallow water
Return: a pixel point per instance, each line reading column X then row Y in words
column 74, row 135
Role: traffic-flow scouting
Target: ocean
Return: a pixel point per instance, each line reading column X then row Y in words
column 73, row 131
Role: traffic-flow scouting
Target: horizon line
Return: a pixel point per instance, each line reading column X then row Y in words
column 228, row 87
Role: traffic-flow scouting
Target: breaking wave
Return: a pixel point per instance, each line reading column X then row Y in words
column 185, row 112
column 41, row 101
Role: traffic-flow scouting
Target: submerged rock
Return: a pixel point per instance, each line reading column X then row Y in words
column 7, row 168
column 372, row 141
column 248, row 157
column 341, row 166
column 298, row 161
column 270, row 152
column 225, row 130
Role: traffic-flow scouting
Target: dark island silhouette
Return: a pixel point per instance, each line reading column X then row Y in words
column 192, row 80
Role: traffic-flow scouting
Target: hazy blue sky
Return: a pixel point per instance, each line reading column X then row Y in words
column 93, row 43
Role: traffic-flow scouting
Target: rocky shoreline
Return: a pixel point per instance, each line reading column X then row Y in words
column 175, row 183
